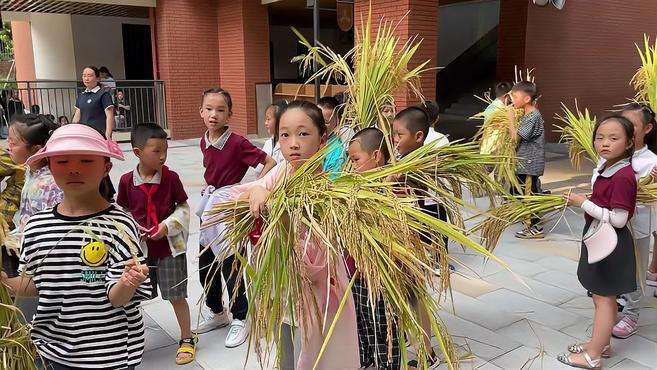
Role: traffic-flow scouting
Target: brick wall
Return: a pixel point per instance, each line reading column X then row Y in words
column 422, row 21
column 187, row 60
column 511, row 44
column 244, row 57
column 584, row 51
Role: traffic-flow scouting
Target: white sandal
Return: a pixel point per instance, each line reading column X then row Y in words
column 590, row 363
column 579, row 348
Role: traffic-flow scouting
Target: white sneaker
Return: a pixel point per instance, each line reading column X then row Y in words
column 237, row 334
column 214, row 321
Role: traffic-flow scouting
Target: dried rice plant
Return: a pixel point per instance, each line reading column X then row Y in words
column 17, row 352
column 516, row 209
column 644, row 80
column 381, row 66
column 578, row 134
column 362, row 215
column 494, row 139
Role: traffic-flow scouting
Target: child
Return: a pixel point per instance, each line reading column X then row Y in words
column 28, row 134
column 301, row 133
column 530, row 136
column 643, row 161
column 81, row 258
column 337, row 138
column 14, row 175
column 368, row 150
column 155, row 197
column 501, row 99
column 272, row 147
column 614, row 190
column 432, row 110
column 409, row 131
column 226, row 158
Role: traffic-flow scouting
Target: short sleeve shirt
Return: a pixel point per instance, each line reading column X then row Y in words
column 92, row 105
column 169, row 194
column 531, row 145
column 227, row 160
column 74, row 263
column 335, row 156
column 615, row 187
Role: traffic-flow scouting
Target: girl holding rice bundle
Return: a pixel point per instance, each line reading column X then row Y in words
column 614, row 201
column 302, row 133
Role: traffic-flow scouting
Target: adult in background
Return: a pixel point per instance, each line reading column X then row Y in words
column 94, row 107
column 106, row 77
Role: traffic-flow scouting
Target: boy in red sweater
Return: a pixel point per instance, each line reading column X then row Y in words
column 155, row 197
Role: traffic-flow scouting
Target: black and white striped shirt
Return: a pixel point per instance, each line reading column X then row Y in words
column 74, row 262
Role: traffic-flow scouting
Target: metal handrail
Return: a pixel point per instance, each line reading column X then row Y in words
column 57, row 97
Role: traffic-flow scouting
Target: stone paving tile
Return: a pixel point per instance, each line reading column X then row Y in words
column 562, row 279
column 581, row 305
column 534, row 335
column 527, row 358
column 471, row 309
column 628, row 364
column 558, row 263
column 637, row 348
column 471, row 286
column 481, row 342
column 531, row 288
column 532, row 309
column 582, row 330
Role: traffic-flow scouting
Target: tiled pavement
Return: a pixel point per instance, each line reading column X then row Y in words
column 500, row 320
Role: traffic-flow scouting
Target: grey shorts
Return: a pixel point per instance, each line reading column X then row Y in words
column 170, row 274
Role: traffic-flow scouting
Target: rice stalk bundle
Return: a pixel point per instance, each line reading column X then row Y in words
column 494, row 139
column 644, row 80
column 17, row 352
column 578, row 134
column 381, row 67
column 516, row 209
column 358, row 214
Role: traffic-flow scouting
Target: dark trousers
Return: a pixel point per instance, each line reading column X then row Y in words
column 373, row 345
column 210, row 272
column 438, row 211
column 534, row 189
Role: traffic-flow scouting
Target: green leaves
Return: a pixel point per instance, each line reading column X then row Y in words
column 578, row 134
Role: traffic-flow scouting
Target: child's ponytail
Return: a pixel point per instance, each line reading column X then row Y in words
column 34, row 129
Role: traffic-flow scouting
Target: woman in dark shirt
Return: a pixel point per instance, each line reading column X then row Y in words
column 94, row 106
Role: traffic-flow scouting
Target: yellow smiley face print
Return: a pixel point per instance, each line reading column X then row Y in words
column 94, row 254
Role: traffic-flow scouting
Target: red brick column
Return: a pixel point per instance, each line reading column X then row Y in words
column 244, row 54
column 187, row 60
column 423, row 21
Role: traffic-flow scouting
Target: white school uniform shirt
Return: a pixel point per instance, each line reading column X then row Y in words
column 434, row 135
column 441, row 140
column 644, row 221
column 273, row 151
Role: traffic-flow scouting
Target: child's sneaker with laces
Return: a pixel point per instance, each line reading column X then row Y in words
column 625, row 328
column 533, row 232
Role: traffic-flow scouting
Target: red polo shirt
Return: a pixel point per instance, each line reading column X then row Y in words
column 227, row 160
column 168, row 195
column 615, row 188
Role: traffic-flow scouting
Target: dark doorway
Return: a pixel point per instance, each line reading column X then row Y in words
column 137, row 52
